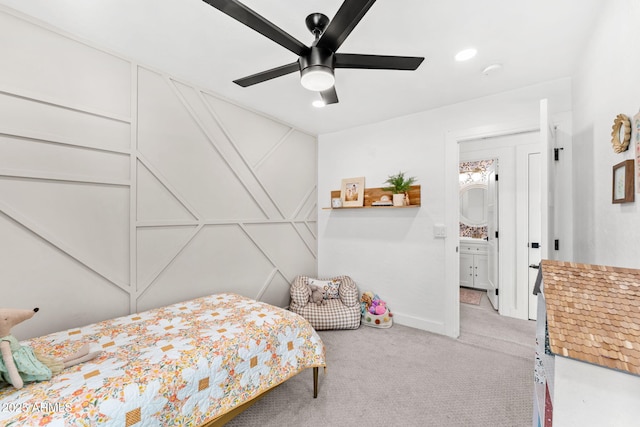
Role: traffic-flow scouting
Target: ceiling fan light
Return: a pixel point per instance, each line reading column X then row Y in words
column 317, row 78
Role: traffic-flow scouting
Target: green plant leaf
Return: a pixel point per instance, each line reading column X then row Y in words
column 398, row 183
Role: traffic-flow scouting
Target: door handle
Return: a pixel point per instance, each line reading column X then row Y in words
column 536, row 266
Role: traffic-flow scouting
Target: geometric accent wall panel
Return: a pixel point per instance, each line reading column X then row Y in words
column 44, row 121
column 176, row 146
column 155, row 201
column 284, row 246
column 226, row 197
column 35, row 273
column 312, row 226
column 90, row 220
column 277, row 291
column 28, row 157
column 219, row 258
column 123, row 189
column 289, row 173
column 230, row 148
column 55, row 67
column 235, row 120
column 306, row 232
column 65, row 177
column 157, row 247
column 312, row 213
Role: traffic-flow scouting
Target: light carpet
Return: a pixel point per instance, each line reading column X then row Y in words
column 407, row 377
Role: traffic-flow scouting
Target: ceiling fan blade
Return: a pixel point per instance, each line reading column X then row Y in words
column 268, row 75
column 251, row 19
column 380, row 62
column 329, row 96
column 347, row 17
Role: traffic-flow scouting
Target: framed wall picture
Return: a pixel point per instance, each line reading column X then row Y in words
column 621, row 133
column 352, row 192
column 636, row 138
column 623, row 182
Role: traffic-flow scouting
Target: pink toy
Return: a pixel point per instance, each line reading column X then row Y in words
column 378, row 306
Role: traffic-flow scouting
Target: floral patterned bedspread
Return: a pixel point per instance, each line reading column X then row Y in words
column 184, row 364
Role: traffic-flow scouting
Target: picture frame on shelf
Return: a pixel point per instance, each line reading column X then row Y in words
column 623, row 190
column 352, row 192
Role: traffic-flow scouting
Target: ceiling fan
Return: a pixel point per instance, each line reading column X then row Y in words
column 317, row 62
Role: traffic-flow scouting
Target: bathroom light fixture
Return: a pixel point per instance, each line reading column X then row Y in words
column 466, row 54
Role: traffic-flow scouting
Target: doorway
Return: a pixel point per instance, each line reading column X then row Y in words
column 512, row 291
column 555, row 210
column 478, row 215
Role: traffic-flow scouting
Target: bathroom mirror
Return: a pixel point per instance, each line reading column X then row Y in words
column 473, row 205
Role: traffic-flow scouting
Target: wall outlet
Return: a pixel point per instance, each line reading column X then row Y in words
column 439, row 231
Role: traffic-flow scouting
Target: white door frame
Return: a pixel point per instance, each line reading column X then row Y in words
column 452, row 209
column 493, row 242
column 523, row 153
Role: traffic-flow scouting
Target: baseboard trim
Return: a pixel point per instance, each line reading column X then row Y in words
column 419, row 323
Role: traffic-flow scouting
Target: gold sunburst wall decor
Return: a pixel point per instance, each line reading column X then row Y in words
column 620, row 133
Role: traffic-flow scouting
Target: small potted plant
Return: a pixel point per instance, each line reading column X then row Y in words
column 399, row 186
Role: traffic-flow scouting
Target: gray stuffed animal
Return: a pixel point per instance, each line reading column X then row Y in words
column 317, row 296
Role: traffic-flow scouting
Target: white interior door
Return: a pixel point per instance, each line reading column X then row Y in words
column 542, row 215
column 492, row 237
column 534, row 228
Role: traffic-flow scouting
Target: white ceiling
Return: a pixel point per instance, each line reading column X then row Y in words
column 535, row 41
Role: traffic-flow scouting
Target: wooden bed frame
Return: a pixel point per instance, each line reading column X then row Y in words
column 225, row 418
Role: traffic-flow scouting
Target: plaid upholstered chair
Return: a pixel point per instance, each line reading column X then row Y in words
column 342, row 308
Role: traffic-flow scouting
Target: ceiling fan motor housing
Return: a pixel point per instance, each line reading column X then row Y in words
column 316, row 69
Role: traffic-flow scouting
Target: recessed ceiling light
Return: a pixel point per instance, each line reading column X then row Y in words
column 466, row 54
column 318, row 103
column 492, row 69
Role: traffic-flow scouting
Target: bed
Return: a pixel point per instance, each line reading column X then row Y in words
column 195, row 363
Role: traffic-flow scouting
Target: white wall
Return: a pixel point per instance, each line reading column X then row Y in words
column 123, row 189
column 393, row 252
column 590, row 395
column 605, row 85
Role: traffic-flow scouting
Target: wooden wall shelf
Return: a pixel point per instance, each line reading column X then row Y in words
column 373, row 194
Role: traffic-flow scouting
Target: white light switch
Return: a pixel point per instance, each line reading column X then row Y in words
column 439, row 231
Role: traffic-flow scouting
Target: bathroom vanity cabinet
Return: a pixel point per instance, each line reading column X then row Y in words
column 474, row 265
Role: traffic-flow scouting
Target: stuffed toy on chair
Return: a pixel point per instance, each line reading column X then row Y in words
column 20, row 364
column 317, row 295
